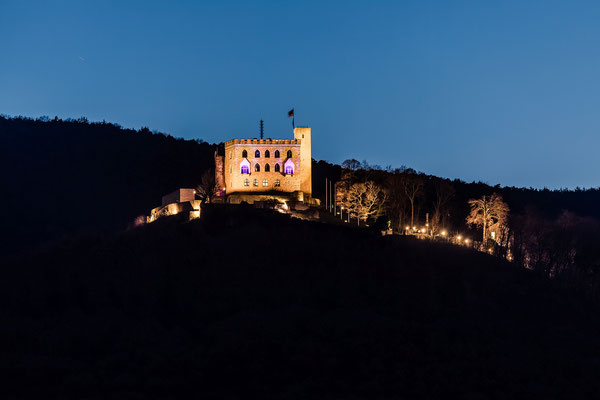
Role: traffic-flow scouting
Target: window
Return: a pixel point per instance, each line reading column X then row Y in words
column 277, row 167
column 289, row 154
column 265, row 182
column 267, row 168
column 230, row 155
column 257, row 154
column 245, row 166
column 289, row 167
column 244, row 154
column 257, row 168
column 277, row 154
column 277, row 183
column 246, row 182
column 255, row 183
column 267, row 154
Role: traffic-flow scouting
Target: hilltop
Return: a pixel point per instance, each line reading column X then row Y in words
column 247, row 302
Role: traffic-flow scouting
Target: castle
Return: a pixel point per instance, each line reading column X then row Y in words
column 260, row 169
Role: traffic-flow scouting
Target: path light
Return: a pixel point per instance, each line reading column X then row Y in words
column 467, row 241
column 423, row 230
column 459, row 237
column 443, row 233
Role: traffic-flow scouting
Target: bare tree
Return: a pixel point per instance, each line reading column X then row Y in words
column 396, row 199
column 444, row 192
column 488, row 211
column 364, row 200
column 207, row 188
column 413, row 188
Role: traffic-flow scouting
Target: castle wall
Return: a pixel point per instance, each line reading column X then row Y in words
column 234, row 179
column 220, row 172
column 179, row 195
column 304, row 135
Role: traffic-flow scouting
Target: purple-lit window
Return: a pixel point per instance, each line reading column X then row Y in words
column 245, row 166
column 289, row 167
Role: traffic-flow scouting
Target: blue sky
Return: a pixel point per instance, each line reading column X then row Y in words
column 503, row 92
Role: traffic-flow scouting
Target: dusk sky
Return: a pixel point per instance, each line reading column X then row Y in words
column 504, row 92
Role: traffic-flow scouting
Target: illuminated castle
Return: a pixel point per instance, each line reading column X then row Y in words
column 258, row 169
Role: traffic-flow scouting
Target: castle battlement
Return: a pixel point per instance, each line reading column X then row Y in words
column 262, row 141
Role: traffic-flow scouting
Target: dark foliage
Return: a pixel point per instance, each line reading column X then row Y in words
column 243, row 303
column 65, row 176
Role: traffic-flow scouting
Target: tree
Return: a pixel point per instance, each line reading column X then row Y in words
column 207, row 188
column 413, row 188
column 488, row 211
column 444, row 192
column 351, row 164
column 396, row 199
column 364, row 200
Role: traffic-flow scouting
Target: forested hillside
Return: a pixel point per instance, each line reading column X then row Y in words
column 246, row 302
column 61, row 177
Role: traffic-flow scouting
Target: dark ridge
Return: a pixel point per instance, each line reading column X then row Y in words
column 246, row 303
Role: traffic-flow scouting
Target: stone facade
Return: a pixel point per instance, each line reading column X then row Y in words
column 178, row 196
column 258, row 166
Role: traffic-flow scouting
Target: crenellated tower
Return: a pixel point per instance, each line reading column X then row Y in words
column 304, row 135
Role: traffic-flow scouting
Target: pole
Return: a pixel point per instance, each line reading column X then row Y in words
column 326, row 193
column 330, row 200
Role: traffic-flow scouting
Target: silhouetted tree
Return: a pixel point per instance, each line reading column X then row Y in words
column 207, row 188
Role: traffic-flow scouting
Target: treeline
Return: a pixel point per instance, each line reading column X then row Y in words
column 64, row 176
column 553, row 232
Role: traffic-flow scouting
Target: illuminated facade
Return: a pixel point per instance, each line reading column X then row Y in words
column 262, row 166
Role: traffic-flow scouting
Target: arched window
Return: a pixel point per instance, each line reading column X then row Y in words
column 244, row 154
column 267, row 168
column 277, row 183
column 289, row 167
column 255, row 182
column 257, row 168
column 277, row 167
column 277, row 154
column 267, row 154
column 245, row 166
column 246, row 182
column 289, row 154
column 265, row 183
column 257, row 154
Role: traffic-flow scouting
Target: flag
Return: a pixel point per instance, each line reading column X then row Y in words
column 291, row 113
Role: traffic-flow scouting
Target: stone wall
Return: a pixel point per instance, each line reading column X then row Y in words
column 179, row 195
column 234, row 179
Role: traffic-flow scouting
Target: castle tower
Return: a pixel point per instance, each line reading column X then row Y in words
column 303, row 134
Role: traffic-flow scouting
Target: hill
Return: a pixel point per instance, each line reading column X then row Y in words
column 244, row 303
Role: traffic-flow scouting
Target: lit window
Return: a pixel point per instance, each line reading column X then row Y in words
column 255, row 182
column 246, row 182
column 277, row 167
column 257, row 154
column 277, row 183
column 267, row 168
column 244, row 154
column 257, row 168
column 289, row 167
column 289, row 154
column 277, row 154
column 267, row 154
column 245, row 166
column 265, row 182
